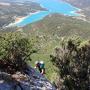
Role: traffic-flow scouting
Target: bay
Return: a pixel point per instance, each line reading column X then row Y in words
column 52, row 6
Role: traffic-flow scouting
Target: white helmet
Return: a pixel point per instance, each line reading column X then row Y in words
column 41, row 62
column 36, row 62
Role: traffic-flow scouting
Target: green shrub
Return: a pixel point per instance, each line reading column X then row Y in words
column 73, row 60
column 15, row 51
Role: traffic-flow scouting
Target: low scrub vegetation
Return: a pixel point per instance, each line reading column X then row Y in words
column 15, row 51
column 73, row 61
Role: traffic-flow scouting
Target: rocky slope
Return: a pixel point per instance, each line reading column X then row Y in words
column 35, row 81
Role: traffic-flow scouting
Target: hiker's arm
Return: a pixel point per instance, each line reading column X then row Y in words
column 42, row 71
column 36, row 66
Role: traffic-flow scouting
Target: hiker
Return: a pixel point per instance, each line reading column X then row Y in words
column 40, row 66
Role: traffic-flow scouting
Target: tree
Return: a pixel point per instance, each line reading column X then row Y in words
column 15, row 51
column 73, row 60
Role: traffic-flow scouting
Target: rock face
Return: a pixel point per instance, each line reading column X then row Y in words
column 35, row 81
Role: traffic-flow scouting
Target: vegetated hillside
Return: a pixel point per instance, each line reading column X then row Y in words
column 9, row 11
column 72, row 58
column 49, row 33
column 59, row 25
column 15, row 72
column 82, row 4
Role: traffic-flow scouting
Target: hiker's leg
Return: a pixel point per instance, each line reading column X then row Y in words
column 20, row 86
column 17, row 85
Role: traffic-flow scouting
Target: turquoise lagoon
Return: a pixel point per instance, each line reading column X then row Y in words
column 52, row 6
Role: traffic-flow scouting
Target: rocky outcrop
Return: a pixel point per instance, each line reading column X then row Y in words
column 32, row 81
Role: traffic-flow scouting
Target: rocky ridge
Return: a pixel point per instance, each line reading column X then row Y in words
column 33, row 80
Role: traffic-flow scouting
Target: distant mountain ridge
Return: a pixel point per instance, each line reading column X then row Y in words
column 79, row 3
column 82, row 4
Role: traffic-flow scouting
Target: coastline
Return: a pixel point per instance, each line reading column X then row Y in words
column 20, row 19
column 80, row 12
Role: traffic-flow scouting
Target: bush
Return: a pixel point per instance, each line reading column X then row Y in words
column 15, row 51
column 73, row 60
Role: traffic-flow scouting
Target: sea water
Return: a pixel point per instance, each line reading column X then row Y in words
column 51, row 6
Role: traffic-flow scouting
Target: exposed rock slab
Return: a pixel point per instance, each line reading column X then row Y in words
column 35, row 81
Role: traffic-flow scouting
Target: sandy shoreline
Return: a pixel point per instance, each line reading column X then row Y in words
column 20, row 19
column 80, row 12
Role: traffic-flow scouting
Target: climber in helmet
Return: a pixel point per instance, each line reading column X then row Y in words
column 40, row 66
